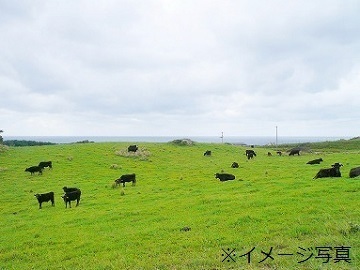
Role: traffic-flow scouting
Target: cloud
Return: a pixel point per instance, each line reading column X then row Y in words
column 177, row 67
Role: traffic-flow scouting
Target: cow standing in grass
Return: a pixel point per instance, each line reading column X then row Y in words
column 294, row 152
column 34, row 169
column 45, row 197
column 250, row 154
column 132, row 148
column 126, row 178
column 72, row 196
column 44, row 164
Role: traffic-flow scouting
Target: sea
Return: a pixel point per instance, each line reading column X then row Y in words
column 242, row 140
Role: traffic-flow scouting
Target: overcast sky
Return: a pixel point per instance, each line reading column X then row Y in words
column 180, row 67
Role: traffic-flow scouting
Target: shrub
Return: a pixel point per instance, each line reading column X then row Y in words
column 142, row 153
column 183, row 142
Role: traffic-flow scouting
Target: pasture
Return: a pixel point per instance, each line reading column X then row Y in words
column 273, row 207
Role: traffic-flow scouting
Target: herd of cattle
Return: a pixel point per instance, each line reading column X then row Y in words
column 334, row 171
column 71, row 194
column 74, row 194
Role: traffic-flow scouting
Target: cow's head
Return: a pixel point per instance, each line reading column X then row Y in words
column 337, row 165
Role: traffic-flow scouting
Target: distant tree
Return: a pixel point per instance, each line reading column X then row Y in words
column 1, row 138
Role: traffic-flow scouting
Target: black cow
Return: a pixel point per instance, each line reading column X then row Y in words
column 70, row 189
column 72, row 196
column 45, row 197
column 279, row 153
column 126, row 178
column 354, row 172
column 330, row 172
column 207, row 153
column 132, row 148
column 269, row 154
column 250, row 153
column 224, row 176
column 294, row 152
column 44, row 164
column 34, row 169
column 315, row 161
column 235, row 165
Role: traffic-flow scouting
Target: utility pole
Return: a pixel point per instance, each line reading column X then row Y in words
column 222, row 137
column 276, row 138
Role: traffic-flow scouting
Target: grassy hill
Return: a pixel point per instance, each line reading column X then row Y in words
column 273, row 205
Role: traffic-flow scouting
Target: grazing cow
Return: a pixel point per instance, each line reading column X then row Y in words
column 250, row 153
column 354, row 172
column 126, row 178
column 185, row 229
column 315, row 161
column 294, row 152
column 132, row 148
column 45, row 197
column 72, row 196
column 279, row 153
column 269, row 154
column 207, row 153
column 235, row 165
column 330, row 172
column 224, row 176
column 44, row 164
column 70, row 189
column 34, row 169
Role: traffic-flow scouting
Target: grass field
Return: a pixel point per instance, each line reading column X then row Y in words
column 274, row 206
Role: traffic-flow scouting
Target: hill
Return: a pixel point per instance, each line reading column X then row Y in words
column 178, row 216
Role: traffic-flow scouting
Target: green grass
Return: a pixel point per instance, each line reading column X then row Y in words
column 273, row 203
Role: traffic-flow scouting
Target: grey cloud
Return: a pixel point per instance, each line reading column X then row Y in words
column 180, row 62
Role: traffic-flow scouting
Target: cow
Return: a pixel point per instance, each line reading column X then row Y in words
column 44, row 164
column 294, row 152
column 70, row 189
column 269, row 154
column 72, row 196
column 315, row 161
column 45, row 197
column 354, row 172
column 132, row 148
column 207, row 153
column 329, row 172
column 126, row 178
column 235, row 165
column 250, row 153
column 34, row 169
column 224, row 176
column 279, row 153
column 185, row 229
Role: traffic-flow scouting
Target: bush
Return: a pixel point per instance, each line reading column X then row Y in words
column 183, row 142
column 142, row 153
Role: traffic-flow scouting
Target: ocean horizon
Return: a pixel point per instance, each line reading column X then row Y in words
column 246, row 140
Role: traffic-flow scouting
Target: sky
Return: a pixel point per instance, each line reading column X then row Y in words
column 179, row 68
